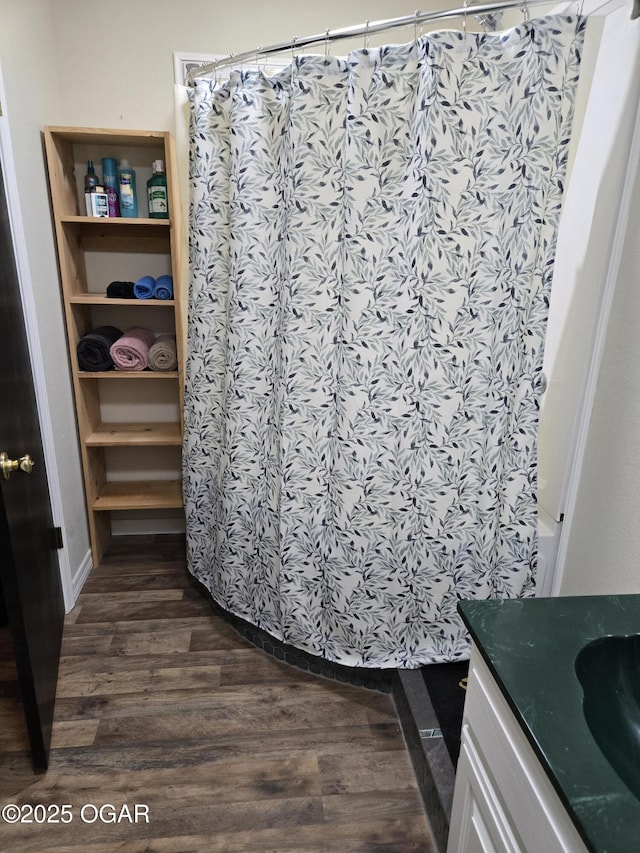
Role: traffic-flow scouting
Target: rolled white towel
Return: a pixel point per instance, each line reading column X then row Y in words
column 162, row 354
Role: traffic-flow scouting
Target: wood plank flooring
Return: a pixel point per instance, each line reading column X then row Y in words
column 162, row 704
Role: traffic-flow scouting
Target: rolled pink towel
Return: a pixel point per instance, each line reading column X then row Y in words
column 131, row 351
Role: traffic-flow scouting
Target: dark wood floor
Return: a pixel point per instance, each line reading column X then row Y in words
column 162, row 704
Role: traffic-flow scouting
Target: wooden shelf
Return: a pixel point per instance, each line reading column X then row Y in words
column 108, row 136
column 92, row 299
column 139, row 494
column 91, row 252
column 116, row 222
column 128, row 374
column 102, row 234
column 135, row 434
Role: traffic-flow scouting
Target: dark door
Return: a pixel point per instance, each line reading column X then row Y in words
column 29, row 571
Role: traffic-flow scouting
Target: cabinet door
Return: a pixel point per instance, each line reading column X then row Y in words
column 502, row 792
column 478, row 823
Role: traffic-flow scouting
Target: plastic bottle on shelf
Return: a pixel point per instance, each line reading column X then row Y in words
column 157, row 195
column 110, row 172
column 94, row 194
column 127, row 190
column 90, row 179
column 110, row 180
column 97, row 202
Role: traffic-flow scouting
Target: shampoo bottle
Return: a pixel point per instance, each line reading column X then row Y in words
column 127, row 190
column 157, row 192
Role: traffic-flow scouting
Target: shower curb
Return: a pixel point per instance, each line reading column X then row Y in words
column 382, row 680
column 432, row 764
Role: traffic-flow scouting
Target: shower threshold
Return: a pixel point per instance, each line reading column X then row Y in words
column 429, row 702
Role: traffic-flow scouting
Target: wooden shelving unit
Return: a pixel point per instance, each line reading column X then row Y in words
column 91, row 252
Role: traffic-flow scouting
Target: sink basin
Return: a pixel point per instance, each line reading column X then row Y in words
column 609, row 671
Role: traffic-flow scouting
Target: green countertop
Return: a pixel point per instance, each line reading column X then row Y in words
column 530, row 646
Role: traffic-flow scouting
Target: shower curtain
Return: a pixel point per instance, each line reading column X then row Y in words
column 371, row 251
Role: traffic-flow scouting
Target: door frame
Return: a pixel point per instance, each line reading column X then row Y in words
column 33, row 341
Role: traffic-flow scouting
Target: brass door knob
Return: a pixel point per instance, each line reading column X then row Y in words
column 25, row 463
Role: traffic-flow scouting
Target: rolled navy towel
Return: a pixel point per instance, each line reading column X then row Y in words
column 162, row 355
column 131, row 351
column 120, row 290
column 163, row 287
column 94, row 349
column 143, row 288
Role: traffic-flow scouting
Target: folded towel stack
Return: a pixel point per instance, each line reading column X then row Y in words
column 131, row 351
column 148, row 287
column 162, row 355
column 121, row 290
column 163, row 287
column 143, row 288
column 94, row 349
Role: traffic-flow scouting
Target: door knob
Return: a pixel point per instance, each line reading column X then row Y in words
column 25, row 463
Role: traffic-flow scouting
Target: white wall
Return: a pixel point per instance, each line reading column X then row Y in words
column 594, row 538
column 28, row 59
column 604, row 543
column 132, row 86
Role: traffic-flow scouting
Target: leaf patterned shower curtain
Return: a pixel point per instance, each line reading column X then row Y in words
column 371, row 251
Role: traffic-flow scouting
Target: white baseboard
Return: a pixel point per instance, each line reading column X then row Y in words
column 79, row 577
column 66, row 579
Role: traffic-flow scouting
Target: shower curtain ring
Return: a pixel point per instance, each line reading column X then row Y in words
column 326, row 44
column 525, row 12
column 415, row 26
column 366, row 35
column 464, row 21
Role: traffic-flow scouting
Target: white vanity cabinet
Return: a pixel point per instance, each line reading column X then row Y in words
column 503, row 799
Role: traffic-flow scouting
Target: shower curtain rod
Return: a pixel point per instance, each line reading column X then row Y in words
column 369, row 28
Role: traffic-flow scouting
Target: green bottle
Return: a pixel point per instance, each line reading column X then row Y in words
column 157, row 195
